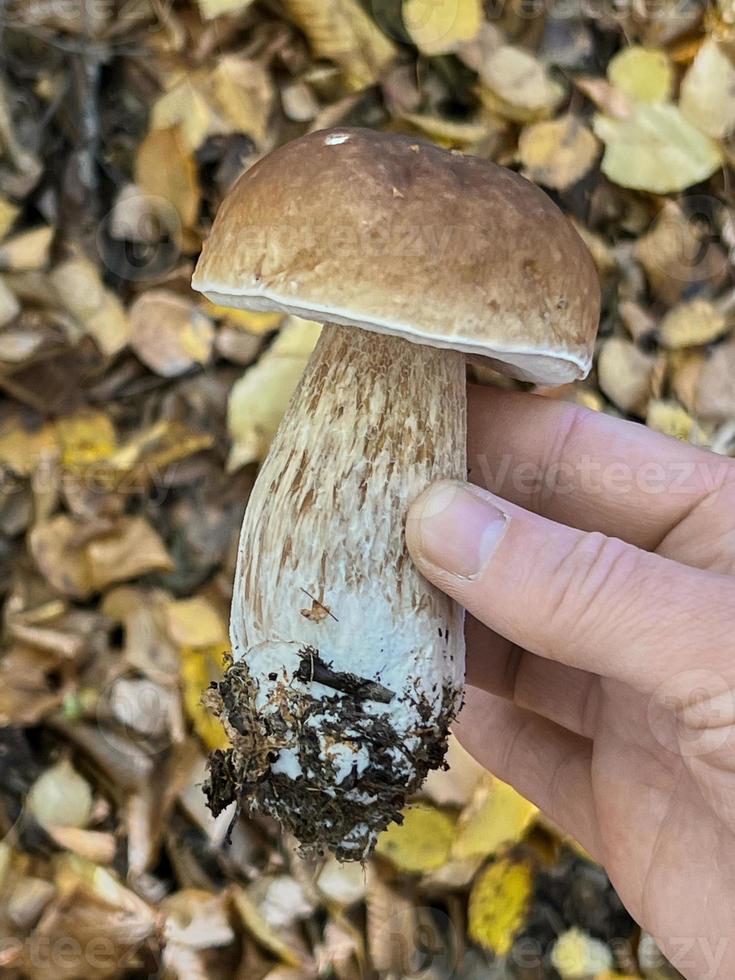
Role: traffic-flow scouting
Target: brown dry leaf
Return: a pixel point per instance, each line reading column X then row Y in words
column 133, row 549
column 60, row 559
column 25, row 445
column 642, row 74
column 674, row 420
column 498, row 816
column 341, row 31
column 169, row 333
column 716, row 387
column 656, row 149
column 197, row 919
column 98, row 310
column 258, row 400
column 499, row 904
column 421, row 843
column 517, row 86
column 608, row 99
column 244, row 94
column 685, row 370
column 676, row 253
column 691, row 324
column 557, row 153
column 26, row 251
column 624, row 374
column 28, row 690
column 442, row 26
column 392, row 924
column 707, row 91
column 92, row 845
column 165, row 169
column 184, row 104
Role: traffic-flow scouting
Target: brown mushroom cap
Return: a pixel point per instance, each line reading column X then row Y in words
column 396, row 235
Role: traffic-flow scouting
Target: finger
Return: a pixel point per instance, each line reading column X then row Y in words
column 546, row 764
column 562, row 694
column 586, row 469
column 585, row 600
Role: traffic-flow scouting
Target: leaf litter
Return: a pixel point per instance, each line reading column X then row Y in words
column 133, row 416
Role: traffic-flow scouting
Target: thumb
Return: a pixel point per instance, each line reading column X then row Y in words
column 580, row 598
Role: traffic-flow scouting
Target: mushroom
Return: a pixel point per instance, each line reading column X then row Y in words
column 347, row 666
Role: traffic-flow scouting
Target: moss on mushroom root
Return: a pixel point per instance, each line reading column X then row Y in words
column 323, row 812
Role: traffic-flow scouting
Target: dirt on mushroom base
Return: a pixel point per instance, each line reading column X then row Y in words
column 324, row 814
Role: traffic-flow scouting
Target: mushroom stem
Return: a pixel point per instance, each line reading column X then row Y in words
column 348, row 665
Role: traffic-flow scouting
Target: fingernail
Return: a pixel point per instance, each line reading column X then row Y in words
column 455, row 528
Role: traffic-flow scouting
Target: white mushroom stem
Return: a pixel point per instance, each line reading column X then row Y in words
column 325, row 588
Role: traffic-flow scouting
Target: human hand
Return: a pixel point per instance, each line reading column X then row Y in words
column 603, row 678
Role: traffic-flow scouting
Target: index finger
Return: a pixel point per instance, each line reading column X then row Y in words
column 585, row 469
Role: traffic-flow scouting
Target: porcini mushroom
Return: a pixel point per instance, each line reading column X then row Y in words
column 348, row 667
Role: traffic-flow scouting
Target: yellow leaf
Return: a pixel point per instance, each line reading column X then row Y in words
column 85, row 438
column 577, row 956
column 244, row 94
column 341, row 31
column 517, row 86
column 250, row 320
column 199, row 667
column 195, row 623
column 707, row 89
column 673, row 420
column 185, row 106
column 80, row 289
column 557, row 153
column 498, row 905
column 421, row 843
column 27, row 250
column 23, row 448
column 165, row 169
column 8, row 213
column 691, row 324
column 498, row 816
column 259, row 399
column 656, row 149
column 642, row 74
column 441, row 26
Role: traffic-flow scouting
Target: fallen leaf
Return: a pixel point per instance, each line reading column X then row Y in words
column 9, row 305
column 557, row 153
column 258, row 400
column 341, row 31
column 134, row 549
column 165, row 169
column 624, row 374
column 716, row 387
column 656, row 149
column 98, row 310
column 197, row 919
column 706, row 97
column 60, row 797
column 257, row 926
column 441, row 26
column 244, row 94
column 421, row 843
column 199, row 667
column 195, row 623
column 24, row 446
column 691, row 324
column 685, row 369
column 27, row 250
column 169, row 333
column 250, row 321
column 8, row 213
column 342, row 883
column 61, row 561
column 497, row 817
column 642, row 74
column 85, row 438
column 517, row 86
column 674, row 420
column 185, row 106
column 576, row 955
column 499, row 904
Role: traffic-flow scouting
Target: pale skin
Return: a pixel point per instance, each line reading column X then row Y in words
column 597, row 561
